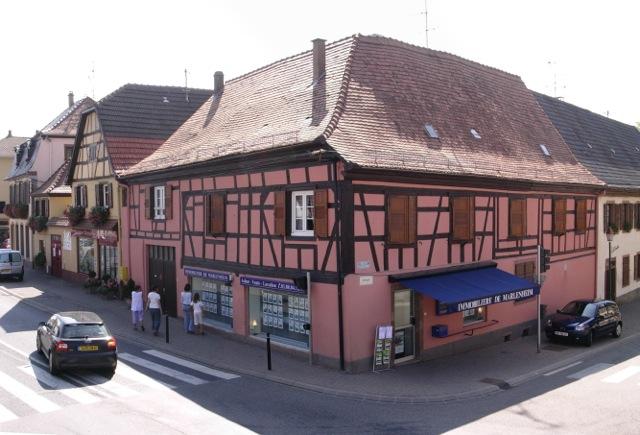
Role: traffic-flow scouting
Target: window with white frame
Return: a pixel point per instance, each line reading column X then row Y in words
column 158, row 202
column 478, row 314
column 302, row 210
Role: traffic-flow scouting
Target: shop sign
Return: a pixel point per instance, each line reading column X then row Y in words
column 105, row 235
column 269, row 284
column 489, row 300
column 215, row 276
column 66, row 240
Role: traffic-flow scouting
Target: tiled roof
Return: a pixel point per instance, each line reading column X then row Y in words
column 56, row 183
column 66, row 123
column 608, row 148
column 8, row 144
column 136, row 119
column 378, row 95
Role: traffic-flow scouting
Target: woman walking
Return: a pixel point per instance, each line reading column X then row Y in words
column 154, row 307
column 197, row 314
column 185, row 298
column 137, row 308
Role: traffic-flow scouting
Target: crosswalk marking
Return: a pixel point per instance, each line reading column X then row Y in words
column 589, row 371
column 26, row 395
column 192, row 365
column 162, row 369
column 68, row 389
column 623, row 374
column 112, row 387
column 6, row 415
column 563, row 368
column 140, row 378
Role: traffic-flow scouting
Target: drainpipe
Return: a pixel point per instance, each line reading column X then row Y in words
column 339, row 261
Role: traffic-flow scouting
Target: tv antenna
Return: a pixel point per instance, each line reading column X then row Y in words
column 92, row 79
column 553, row 64
column 186, row 87
column 426, row 24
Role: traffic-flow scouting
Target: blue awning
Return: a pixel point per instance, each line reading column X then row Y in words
column 459, row 291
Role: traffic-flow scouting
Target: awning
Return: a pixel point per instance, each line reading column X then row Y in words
column 459, row 291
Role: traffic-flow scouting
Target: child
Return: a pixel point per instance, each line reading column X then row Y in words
column 137, row 308
column 196, row 305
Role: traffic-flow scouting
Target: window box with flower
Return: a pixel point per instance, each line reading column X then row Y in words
column 38, row 223
column 99, row 215
column 75, row 214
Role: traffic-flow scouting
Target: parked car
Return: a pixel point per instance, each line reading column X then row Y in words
column 584, row 319
column 77, row 339
column 11, row 264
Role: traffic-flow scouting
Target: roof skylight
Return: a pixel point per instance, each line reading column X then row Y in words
column 475, row 133
column 545, row 151
column 431, row 131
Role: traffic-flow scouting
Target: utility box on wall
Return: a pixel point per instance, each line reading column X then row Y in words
column 439, row 331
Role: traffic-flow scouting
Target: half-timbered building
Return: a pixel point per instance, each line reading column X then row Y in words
column 611, row 151
column 412, row 186
column 117, row 132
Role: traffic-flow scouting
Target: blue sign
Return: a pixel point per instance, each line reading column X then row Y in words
column 489, row 300
column 269, row 284
column 216, row 276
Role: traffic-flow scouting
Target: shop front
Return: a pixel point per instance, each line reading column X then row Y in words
column 216, row 294
column 97, row 251
column 279, row 308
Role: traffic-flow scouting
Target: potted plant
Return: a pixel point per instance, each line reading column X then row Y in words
column 38, row 223
column 21, row 211
column 75, row 214
column 8, row 210
column 99, row 215
column 614, row 228
column 626, row 227
column 92, row 283
column 40, row 260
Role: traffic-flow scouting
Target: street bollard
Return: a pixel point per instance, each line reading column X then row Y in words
column 166, row 328
column 268, row 351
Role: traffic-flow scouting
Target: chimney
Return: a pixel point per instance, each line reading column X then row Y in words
column 9, row 135
column 70, row 98
column 318, row 59
column 218, row 82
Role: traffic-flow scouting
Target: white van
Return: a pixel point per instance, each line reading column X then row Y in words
column 11, row 264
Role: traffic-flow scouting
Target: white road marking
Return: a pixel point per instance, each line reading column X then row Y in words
column 563, row 368
column 6, row 415
column 189, row 364
column 28, row 396
column 68, row 389
column 97, row 381
column 589, row 371
column 15, row 349
column 622, row 375
column 162, row 369
column 141, row 378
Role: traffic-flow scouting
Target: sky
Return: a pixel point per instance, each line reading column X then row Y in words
column 585, row 51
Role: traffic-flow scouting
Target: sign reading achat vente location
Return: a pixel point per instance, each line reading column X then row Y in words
column 496, row 299
column 271, row 284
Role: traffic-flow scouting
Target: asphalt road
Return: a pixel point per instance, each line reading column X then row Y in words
column 157, row 393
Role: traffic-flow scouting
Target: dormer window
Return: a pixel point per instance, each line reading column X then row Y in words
column 431, row 131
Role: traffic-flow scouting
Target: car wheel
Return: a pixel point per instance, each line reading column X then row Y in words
column 588, row 339
column 53, row 367
column 618, row 331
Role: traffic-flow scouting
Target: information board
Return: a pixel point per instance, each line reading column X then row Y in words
column 382, row 347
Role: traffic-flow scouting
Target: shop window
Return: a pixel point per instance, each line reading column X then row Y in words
column 283, row 315
column 517, row 217
column 86, row 255
column 217, row 301
column 559, row 216
column 108, row 256
column 216, row 203
column 462, row 220
column 625, row 271
column 401, row 219
column 581, row 215
column 627, row 217
column 302, row 213
column 474, row 315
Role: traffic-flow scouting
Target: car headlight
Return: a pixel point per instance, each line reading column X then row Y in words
column 580, row 327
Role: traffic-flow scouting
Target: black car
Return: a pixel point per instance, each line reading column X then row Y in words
column 77, row 339
column 584, row 319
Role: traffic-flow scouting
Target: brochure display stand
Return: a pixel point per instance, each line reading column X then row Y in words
column 382, row 348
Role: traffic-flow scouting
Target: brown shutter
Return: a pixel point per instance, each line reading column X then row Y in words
column 148, row 202
column 520, row 270
column 412, row 219
column 581, row 215
column 279, row 210
column 110, row 196
column 625, row 271
column 530, row 270
column 619, row 216
column 559, row 216
column 518, row 217
column 462, row 208
column 85, row 200
column 397, row 206
column 321, row 217
column 217, row 213
column 168, row 205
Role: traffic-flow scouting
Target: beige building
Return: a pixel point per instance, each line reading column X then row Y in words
column 8, row 147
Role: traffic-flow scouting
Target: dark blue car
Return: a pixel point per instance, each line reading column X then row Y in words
column 584, row 319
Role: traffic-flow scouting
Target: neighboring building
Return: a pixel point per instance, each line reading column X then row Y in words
column 35, row 160
column 611, row 151
column 7, row 151
column 397, row 176
column 119, row 131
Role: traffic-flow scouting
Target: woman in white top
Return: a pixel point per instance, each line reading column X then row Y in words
column 155, row 308
column 185, row 298
column 137, row 308
column 197, row 314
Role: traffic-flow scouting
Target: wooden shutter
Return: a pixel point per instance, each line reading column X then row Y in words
column 46, row 207
column 517, row 217
column 617, row 216
column 168, row 205
column 463, row 217
column 412, row 219
column 279, row 213
column 396, row 219
column 85, row 200
column 581, row 215
column 559, row 216
column 148, row 203
column 99, row 196
column 520, row 270
column 109, row 189
column 636, row 269
column 637, row 216
column 321, row 216
column 627, row 224
column 217, row 213
column 625, row 271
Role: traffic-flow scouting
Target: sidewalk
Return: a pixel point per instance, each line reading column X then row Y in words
column 472, row 374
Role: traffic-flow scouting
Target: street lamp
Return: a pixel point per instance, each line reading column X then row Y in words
column 609, row 239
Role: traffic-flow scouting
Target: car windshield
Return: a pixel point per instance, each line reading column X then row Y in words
column 83, row 330
column 4, row 257
column 579, row 308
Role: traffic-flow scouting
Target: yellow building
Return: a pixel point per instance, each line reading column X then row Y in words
column 8, row 147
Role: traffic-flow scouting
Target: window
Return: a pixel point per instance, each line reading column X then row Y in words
column 474, row 315
column 68, row 152
column 431, row 131
column 627, row 220
column 124, row 201
column 625, row 271
column 526, row 270
column 93, row 152
column 462, row 221
column 158, row 202
column 517, row 217
column 217, row 213
column 108, row 261
column 401, row 219
column 559, row 216
column 85, row 255
column 104, row 196
column 581, row 215
column 612, row 217
column 636, row 222
column 80, row 195
column 545, row 150
column 302, row 212
column 636, row 267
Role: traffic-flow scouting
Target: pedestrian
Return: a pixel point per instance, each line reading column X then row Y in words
column 197, row 314
column 185, row 298
column 137, row 308
column 154, row 307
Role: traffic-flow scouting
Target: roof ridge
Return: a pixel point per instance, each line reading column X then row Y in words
column 176, row 88
column 63, row 115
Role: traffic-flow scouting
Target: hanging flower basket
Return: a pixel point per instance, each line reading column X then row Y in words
column 99, row 215
column 17, row 211
column 38, row 223
column 8, row 210
column 75, row 214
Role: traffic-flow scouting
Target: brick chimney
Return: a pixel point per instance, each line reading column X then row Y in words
column 10, row 135
column 218, row 82
column 319, row 59
column 70, row 98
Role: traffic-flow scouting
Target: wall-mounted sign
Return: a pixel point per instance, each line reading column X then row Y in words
column 215, row 276
column 363, row 264
column 366, row 280
column 66, row 240
column 489, row 300
column 270, row 284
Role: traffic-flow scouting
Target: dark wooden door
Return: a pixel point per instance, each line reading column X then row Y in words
column 56, row 256
column 162, row 274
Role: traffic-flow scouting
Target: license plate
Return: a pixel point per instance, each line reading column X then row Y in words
column 564, row 334
column 87, row 348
